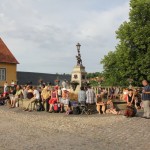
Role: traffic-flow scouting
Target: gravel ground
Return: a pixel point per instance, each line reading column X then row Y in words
column 43, row 131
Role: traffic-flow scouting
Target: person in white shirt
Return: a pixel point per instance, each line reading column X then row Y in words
column 35, row 98
column 5, row 87
column 12, row 83
column 90, row 96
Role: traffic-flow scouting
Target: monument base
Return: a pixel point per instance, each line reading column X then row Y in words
column 78, row 77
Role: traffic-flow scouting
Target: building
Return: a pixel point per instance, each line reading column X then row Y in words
column 8, row 71
column 35, row 78
column 8, row 65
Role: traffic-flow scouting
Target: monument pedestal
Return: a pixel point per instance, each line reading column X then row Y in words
column 78, row 78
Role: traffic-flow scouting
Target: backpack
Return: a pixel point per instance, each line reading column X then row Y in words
column 56, row 108
column 40, row 107
column 130, row 111
column 2, row 102
column 76, row 110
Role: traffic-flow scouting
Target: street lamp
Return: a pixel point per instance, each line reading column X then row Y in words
column 78, row 46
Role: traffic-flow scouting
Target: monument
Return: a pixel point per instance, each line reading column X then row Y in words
column 78, row 76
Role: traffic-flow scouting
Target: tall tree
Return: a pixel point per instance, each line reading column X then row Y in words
column 131, row 59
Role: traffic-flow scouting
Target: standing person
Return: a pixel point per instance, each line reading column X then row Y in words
column 5, row 87
column 137, row 99
column 146, row 99
column 12, row 83
column 90, row 96
column 111, row 92
column 64, row 84
column 59, row 93
column 12, row 92
column 82, row 96
column 117, row 90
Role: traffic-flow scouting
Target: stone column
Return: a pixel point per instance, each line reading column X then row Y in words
column 78, row 76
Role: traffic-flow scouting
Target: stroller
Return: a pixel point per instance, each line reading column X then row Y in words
column 84, row 109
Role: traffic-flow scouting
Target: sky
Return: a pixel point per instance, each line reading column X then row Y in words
column 42, row 34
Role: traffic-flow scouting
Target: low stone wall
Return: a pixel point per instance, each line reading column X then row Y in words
column 118, row 105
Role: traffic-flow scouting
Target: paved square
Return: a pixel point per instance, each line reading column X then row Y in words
column 43, row 131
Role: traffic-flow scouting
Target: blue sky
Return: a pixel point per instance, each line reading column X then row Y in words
column 42, row 34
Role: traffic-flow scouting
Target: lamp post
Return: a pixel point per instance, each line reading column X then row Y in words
column 78, row 46
column 78, row 57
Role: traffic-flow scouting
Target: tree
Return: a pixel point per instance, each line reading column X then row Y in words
column 131, row 59
column 95, row 79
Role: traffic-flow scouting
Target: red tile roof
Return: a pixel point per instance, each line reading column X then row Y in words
column 5, row 54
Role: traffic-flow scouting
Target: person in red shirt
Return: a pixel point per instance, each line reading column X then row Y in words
column 54, row 99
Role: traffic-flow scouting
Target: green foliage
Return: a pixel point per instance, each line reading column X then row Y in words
column 131, row 59
column 93, row 75
column 95, row 79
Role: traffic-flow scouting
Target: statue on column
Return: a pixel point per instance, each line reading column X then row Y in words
column 78, row 57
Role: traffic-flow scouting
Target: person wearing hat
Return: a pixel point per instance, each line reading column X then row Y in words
column 65, row 99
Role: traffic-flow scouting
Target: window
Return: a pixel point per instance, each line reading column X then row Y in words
column 2, row 74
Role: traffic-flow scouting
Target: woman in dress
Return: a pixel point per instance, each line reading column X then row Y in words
column 54, row 99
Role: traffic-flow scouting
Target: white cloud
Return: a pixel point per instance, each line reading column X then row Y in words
column 43, row 34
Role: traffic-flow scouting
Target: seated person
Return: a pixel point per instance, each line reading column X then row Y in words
column 65, row 99
column 35, row 98
column 110, row 108
column 100, row 105
column 125, row 94
column 16, row 97
column 12, row 92
column 53, row 100
column 45, row 95
column 3, row 97
column 131, row 97
column 29, row 92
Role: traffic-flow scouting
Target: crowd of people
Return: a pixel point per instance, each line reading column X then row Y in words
column 54, row 99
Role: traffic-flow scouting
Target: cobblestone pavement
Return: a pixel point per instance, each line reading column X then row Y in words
column 43, row 131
